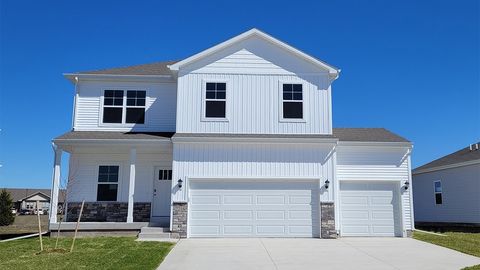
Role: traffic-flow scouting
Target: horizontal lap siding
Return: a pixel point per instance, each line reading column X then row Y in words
column 160, row 106
column 83, row 175
column 460, row 195
column 376, row 163
column 249, row 160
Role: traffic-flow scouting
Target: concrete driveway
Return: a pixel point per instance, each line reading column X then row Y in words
column 344, row 253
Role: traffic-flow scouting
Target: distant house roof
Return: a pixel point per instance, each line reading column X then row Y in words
column 460, row 156
column 157, row 68
column 19, row 194
column 366, row 135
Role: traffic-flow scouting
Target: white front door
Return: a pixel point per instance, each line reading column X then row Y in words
column 369, row 208
column 253, row 208
column 162, row 191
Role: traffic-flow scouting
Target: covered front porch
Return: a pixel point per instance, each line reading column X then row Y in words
column 124, row 180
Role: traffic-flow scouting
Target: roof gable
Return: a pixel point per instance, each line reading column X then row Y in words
column 243, row 41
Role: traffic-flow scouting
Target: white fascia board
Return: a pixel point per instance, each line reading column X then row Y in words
column 252, row 140
column 73, row 77
column 445, row 167
column 376, row 144
column 333, row 71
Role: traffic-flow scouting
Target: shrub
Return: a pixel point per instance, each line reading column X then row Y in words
column 6, row 204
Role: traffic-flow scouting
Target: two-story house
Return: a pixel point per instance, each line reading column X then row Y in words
column 235, row 141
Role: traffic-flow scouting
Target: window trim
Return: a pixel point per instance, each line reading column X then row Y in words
column 435, row 192
column 119, row 182
column 124, row 107
column 204, row 101
column 280, row 105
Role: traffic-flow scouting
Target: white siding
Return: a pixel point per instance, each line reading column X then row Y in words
column 160, row 106
column 254, row 70
column 376, row 164
column 253, row 105
column 460, row 194
column 83, row 174
column 250, row 161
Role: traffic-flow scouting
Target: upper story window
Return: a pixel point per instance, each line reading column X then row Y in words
column 107, row 183
column 292, row 101
column 437, row 185
column 117, row 111
column 215, row 100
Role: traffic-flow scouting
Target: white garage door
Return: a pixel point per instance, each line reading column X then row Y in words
column 253, row 209
column 369, row 209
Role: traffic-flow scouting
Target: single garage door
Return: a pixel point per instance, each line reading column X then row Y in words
column 253, row 209
column 369, row 209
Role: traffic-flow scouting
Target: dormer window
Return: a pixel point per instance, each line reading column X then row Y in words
column 292, row 101
column 215, row 100
column 121, row 109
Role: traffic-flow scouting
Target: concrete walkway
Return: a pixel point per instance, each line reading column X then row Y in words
column 345, row 253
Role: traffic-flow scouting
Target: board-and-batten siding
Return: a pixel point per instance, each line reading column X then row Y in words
column 360, row 163
column 160, row 106
column 253, row 105
column 237, row 161
column 254, row 70
column 83, row 174
column 460, row 195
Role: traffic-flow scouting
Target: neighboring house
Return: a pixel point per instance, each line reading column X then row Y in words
column 25, row 199
column 446, row 191
column 235, row 141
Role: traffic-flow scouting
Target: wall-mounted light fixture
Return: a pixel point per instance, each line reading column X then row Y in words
column 180, row 183
column 327, row 183
column 407, row 184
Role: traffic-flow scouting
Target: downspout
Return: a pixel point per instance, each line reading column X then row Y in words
column 75, row 97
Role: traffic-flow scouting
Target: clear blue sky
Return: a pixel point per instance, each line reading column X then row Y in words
column 409, row 66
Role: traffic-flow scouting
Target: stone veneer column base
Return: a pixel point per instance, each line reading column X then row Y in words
column 327, row 227
column 179, row 218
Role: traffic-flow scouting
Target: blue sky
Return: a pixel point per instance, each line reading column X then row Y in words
column 410, row 66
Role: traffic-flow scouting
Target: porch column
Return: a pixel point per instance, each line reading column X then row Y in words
column 131, row 186
column 57, row 160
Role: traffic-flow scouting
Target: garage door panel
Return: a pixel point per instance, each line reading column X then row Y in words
column 253, row 210
column 237, row 215
column 369, row 209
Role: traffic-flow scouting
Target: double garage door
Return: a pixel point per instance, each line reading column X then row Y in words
column 253, row 209
column 369, row 209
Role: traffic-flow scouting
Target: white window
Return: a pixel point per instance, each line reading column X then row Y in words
column 292, row 101
column 121, row 109
column 437, row 185
column 215, row 100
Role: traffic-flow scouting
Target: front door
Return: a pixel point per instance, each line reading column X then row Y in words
column 162, row 191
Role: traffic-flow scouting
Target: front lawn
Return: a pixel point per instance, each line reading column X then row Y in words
column 468, row 243
column 89, row 253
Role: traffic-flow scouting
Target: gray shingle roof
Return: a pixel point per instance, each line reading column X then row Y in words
column 111, row 135
column 157, row 68
column 367, row 135
column 343, row 134
column 460, row 156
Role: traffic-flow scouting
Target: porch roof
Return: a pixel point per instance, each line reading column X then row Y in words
column 112, row 135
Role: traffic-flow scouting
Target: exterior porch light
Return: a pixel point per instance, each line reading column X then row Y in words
column 180, row 183
column 407, row 184
column 327, row 183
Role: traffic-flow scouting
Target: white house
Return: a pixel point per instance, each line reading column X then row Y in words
column 446, row 190
column 235, row 141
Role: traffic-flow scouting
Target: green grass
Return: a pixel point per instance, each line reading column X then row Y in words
column 468, row 243
column 89, row 253
column 25, row 224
